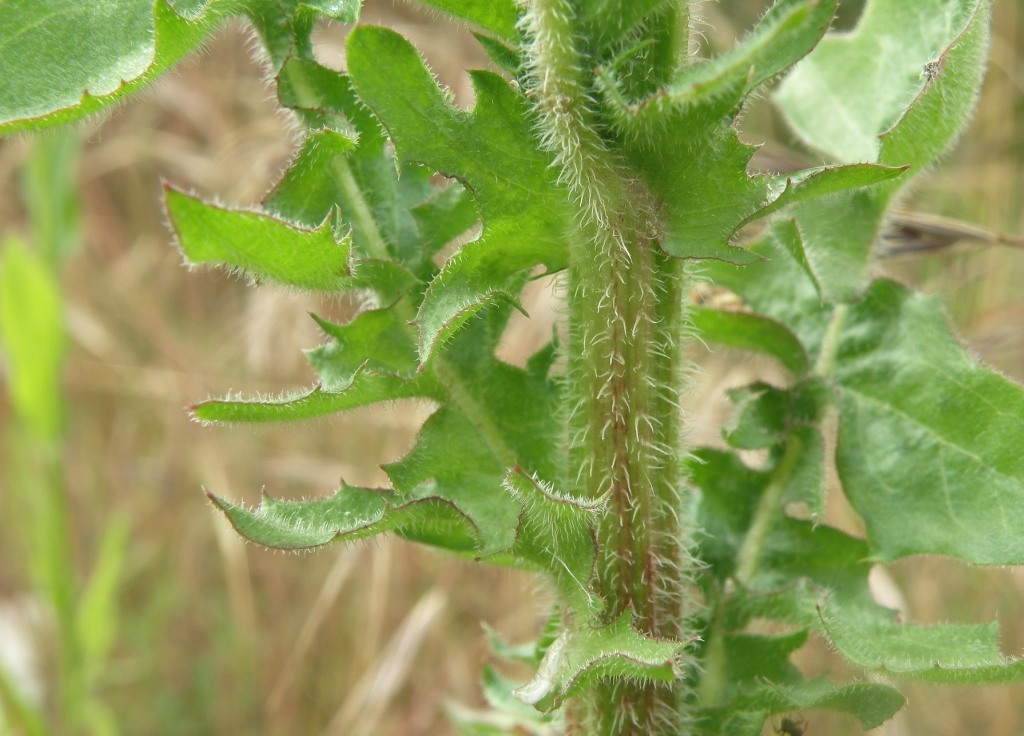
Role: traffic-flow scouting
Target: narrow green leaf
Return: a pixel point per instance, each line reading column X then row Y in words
column 946, row 653
column 504, row 57
column 822, row 182
column 96, row 620
column 365, row 389
column 581, row 655
column 929, row 441
column 32, row 338
column 259, row 245
column 749, row 331
column 491, row 150
column 350, row 514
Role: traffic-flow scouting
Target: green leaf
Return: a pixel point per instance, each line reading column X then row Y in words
column 929, row 441
column 748, row 331
column 260, row 245
column 364, row 389
column 765, row 415
column 377, row 201
column 32, row 338
column 780, row 287
column 784, row 35
column 285, row 27
column 944, row 653
column 119, row 46
column 792, row 549
column 871, row 704
column 350, row 514
column 708, row 195
column 786, row 422
column 497, row 16
column 583, row 654
column 494, row 428
column 308, row 191
column 822, row 182
column 762, row 681
column 605, row 22
column 96, row 620
column 860, row 85
column 896, row 91
column 470, row 480
column 502, row 56
column 374, row 341
column 557, row 534
column 491, row 150
column 444, row 217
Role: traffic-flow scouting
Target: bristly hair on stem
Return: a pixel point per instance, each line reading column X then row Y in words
column 624, row 375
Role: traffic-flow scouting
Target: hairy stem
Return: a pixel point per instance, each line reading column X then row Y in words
column 624, row 366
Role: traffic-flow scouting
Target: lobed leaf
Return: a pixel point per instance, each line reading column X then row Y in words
column 122, row 45
column 557, row 534
column 374, row 341
column 792, row 549
column 870, row 703
column 491, row 151
column 260, row 245
column 860, row 85
column 495, row 429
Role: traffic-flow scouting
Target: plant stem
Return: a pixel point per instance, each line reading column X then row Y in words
column 624, row 364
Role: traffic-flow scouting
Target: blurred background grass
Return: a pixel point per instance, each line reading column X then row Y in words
column 216, row 637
